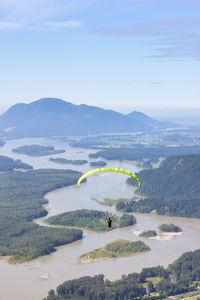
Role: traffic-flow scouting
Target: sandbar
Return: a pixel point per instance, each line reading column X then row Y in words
column 164, row 236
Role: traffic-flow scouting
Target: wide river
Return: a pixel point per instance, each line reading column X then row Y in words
column 28, row 282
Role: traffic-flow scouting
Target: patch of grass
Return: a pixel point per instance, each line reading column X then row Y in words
column 118, row 248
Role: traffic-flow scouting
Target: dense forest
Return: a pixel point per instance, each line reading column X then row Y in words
column 21, row 199
column 99, row 163
column 172, row 189
column 64, row 161
column 9, row 164
column 91, row 219
column 37, row 150
column 144, row 154
column 181, row 276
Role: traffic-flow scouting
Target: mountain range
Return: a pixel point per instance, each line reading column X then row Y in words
column 56, row 117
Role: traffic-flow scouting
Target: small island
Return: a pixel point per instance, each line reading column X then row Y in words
column 118, row 248
column 64, row 161
column 148, row 233
column 91, row 219
column 9, row 164
column 37, row 150
column 170, row 228
column 99, row 163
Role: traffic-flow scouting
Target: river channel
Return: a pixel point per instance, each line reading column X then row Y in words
column 32, row 280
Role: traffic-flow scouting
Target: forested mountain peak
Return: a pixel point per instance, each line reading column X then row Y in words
column 52, row 116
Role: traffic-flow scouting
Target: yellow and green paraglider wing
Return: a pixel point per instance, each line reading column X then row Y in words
column 118, row 170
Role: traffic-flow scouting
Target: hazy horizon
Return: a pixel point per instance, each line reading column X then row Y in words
column 162, row 113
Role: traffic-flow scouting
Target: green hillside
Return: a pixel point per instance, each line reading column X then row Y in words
column 172, row 189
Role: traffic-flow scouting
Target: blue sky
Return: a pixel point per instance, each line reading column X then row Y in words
column 120, row 54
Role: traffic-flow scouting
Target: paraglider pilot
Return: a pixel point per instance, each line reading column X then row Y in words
column 109, row 221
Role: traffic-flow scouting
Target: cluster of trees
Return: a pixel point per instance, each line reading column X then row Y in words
column 99, row 163
column 169, row 228
column 91, row 219
column 96, row 142
column 96, row 287
column 21, row 200
column 37, row 150
column 9, row 164
column 123, row 246
column 148, row 233
column 172, row 189
column 187, row 267
column 181, row 276
column 139, row 153
column 175, row 206
column 65, row 161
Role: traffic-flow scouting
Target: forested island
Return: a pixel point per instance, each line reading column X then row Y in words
column 118, row 248
column 148, row 233
column 172, row 189
column 169, row 228
column 151, row 283
column 9, row 164
column 91, row 219
column 21, row 200
column 64, row 161
column 37, row 150
column 99, row 163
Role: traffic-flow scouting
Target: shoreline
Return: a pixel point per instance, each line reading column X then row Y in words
column 87, row 260
column 163, row 236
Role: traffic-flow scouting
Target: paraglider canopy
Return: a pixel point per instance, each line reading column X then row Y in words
column 98, row 170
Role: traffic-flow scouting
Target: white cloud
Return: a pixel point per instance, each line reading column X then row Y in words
column 35, row 10
column 42, row 14
column 178, row 37
column 9, row 26
column 64, row 24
